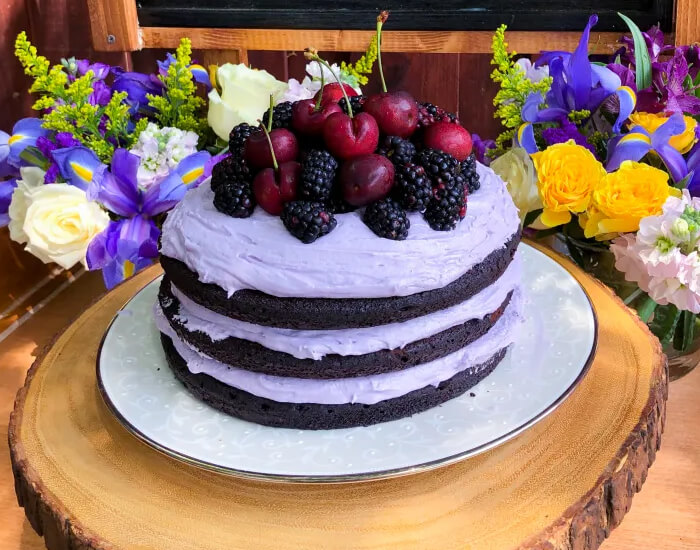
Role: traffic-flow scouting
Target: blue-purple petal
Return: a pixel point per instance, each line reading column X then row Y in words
column 78, row 165
column 579, row 74
column 632, row 146
column 24, row 134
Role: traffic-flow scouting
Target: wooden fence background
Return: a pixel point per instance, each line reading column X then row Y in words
column 60, row 28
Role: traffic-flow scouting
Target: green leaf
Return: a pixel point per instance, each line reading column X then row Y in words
column 647, row 308
column 685, row 332
column 530, row 217
column 684, row 182
column 35, row 157
column 665, row 321
column 641, row 53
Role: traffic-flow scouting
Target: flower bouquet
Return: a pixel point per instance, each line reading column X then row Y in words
column 91, row 179
column 603, row 155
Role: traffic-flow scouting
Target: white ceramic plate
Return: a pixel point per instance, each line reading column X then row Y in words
column 550, row 357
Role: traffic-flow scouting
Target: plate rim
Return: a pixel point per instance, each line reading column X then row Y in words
column 355, row 477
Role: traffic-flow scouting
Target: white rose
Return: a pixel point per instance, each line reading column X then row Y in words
column 55, row 220
column 516, row 168
column 245, row 96
column 31, row 177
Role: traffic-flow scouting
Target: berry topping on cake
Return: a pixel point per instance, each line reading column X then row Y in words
column 440, row 167
column 337, row 204
column 231, row 168
column 429, row 114
column 366, row 179
column 348, row 137
column 257, row 150
column 333, row 91
column 238, row 137
column 397, row 150
column 447, row 206
column 450, row 138
column 412, row 188
column 356, row 104
column 309, row 117
column 281, row 115
column 273, row 187
column 235, row 198
column 308, row 220
column 387, row 219
column 318, row 175
column 468, row 171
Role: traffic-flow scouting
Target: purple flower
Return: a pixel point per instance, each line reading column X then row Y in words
column 101, row 94
column 138, row 86
column 626, row 74
column 24, row 134
column 7, row 187
column 481, row 148
column 655, row 42
column 677, row 98
column 99, row 70
column 638, row 142
column 47, row 146
column 565, row 132
column 78, row 165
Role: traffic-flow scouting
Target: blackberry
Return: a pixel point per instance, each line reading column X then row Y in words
column 397, row 150
column 281, row 115
column 387, row 219
column 232, row 168
column 317, row 175
column 356, row 103
column 307, row 220
column 440, row 167
column 412, row 187
column 468, row 171
column 336, row 204
column 429, row 114
column 237, row 137
column 235, row 198
column 447, row 206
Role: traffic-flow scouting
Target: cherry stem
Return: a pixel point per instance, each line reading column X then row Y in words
column 314, row 57
column 269, row 141
column 381, row 18
column 269, row 118
column 323, row 84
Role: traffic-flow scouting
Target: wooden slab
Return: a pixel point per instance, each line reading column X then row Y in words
column 86, row 483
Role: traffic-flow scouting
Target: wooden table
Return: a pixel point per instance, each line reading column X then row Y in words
column 665, row 515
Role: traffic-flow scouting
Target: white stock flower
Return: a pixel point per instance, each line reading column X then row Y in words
column 56, row 220
column 161, row 150
column 245, row 96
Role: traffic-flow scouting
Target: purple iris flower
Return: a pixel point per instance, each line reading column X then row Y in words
column 694, row 171
column 481, row 148
column 137, row 86
column 7, row 187
column 47, row 146
column 576, row 83
column 79, row 165
column 24, row 134
column 638, row 142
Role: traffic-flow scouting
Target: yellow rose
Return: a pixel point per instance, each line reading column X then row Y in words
column 566, row 176
column 652, row 121
column 624, row 197
column 516, row 168
column 245, row 96
column 55, row 220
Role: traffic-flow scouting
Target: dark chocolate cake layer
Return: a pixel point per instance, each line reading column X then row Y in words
column 252, row 356
column 310, row 416
column 324, row 313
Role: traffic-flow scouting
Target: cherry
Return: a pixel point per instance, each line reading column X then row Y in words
column 450, row 138
column 333, row 93
column 396, row 113
column 309, row 120
column 366, row 179
column 273, row 188
column 348, row 137
column 257, row 150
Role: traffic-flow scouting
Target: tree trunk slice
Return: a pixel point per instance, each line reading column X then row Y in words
column 86, row 483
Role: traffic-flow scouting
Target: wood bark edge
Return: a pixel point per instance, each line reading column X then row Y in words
column 583, row 526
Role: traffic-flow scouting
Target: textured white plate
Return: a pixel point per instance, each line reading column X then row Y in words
column 550, row 357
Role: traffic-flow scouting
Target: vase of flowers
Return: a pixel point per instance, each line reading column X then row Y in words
column 604, row 159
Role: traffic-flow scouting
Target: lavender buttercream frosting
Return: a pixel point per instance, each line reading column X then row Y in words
column 362, row 389
column 351, row 262
column 315, row 344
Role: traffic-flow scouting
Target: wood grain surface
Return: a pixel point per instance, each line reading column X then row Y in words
column 86, row 483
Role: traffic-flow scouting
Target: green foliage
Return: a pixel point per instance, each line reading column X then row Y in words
column 179, row 106
column 515, row 88
column 355, row 74
column 71, row 110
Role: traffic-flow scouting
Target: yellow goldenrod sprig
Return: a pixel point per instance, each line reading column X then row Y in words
column 362, row 66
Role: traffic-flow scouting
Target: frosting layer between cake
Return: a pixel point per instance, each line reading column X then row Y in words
column 364, row 389
column 316, row 344
column 351, row 262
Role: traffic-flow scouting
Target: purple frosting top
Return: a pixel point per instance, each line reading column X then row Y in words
column 350, row 262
